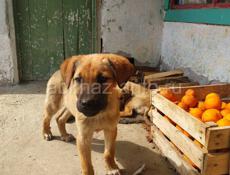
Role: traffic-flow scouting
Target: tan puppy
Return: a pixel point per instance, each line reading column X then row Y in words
column 85, row 87
column 138, row 102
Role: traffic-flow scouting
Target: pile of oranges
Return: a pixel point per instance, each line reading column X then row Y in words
column 212, row 109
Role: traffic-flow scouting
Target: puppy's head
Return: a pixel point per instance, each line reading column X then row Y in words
column 93, row 77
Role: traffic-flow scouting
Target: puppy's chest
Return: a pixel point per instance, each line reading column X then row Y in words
column 97, row 123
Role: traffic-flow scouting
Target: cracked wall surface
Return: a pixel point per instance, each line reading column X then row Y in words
column 201, row 50
column 133, row 28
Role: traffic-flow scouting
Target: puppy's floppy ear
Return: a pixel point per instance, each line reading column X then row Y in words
column 122, row 69
column 68, row 68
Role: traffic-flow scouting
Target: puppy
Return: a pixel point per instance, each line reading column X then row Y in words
column 85, row 87
column 136, row 101
column 137, row 106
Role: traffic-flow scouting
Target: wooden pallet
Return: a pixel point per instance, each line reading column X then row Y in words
column 211, row 159
column 155, row 76
column 174, row 78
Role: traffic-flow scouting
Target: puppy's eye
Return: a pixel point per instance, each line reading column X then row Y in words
column 78, row 79
column 101, row 79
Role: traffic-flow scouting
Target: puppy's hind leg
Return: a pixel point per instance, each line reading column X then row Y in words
column 61, row 119
column 52, row 103
column 47, row 134
column 48, row 114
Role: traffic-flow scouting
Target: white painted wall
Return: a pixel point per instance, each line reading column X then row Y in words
column 203, row 51
column 8, row 63
column 133, row 27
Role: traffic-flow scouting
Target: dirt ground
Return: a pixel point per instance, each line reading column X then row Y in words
column 24, row 152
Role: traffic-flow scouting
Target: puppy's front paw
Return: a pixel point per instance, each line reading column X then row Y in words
column 68, row 138
column 47, row 136
column 114, row 172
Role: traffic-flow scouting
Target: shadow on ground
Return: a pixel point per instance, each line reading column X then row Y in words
column 131, row 156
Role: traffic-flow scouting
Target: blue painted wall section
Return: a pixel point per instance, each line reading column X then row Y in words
column 217, row 16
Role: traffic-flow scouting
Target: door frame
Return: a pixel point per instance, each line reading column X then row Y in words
column 14, row 78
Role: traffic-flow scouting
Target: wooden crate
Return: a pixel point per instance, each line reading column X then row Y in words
column 214, row 157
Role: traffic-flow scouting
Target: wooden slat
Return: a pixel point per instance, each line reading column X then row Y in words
column 185, row 144
column 71, row 27
column 163, row 81
column 192, row 125
column 146, row 73
column 217, row 164
column 80, row 28
column 85, row 19
column 95, row 26
column 155, row 76
column 168, row 79
column 168, row 85
column 55, row 54
column 39, row 47
column 201, row 91
column 218, row 138
column 173, row 156
column 22, row 27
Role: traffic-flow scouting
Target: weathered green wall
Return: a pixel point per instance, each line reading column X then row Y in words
column 48, row 31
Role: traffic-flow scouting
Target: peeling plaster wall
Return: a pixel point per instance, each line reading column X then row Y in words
column 8, row 63
column 203, row 51
column 134, row 28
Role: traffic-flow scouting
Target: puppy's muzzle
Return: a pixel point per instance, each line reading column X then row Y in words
column 88, row 103
column 92, row 106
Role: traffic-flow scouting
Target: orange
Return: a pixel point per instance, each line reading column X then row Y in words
column 227, row 106
column 224, row 112
column 198, row 143
column 223, row 122
column 211, row 115
column 167, row 93
column 213, row 101
column 212, row 95
column 189, row 161
column 196, row 112
column 183, row 106
column 201, row 105
column 189, row 100
column 179, row 128
column 223, row 105
column 227, row 116
column 190, row 92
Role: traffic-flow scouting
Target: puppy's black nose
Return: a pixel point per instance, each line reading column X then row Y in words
column 87, row 102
